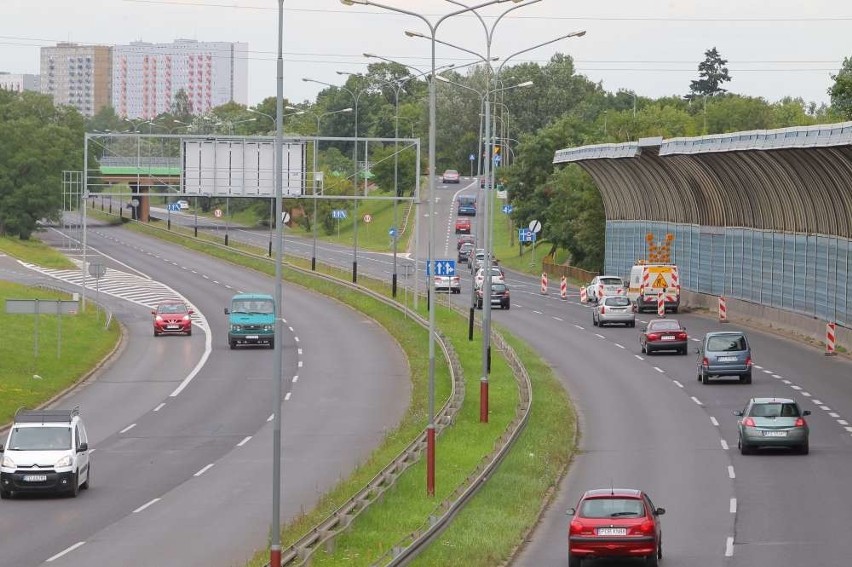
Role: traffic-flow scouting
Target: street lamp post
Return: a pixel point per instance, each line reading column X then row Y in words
column 433, row 28
column 355, row 98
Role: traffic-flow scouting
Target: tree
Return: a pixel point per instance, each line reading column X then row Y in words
column 841, row 91
column 182, row 106
column 37, row 142
column 713, row 73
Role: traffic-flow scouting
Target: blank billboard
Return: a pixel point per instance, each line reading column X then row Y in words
column 241, row 168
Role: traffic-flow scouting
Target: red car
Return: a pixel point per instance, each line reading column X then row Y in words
column 615, row 522
column 172, row 317
column 462, row 226
column 663, row 334
column 450, row 176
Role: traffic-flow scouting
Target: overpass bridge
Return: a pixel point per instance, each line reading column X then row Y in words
column 763, row 217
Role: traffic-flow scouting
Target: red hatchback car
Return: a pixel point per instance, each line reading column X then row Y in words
column 462, row 226
column 663, row 334
column 172, row 317
column 615, row 522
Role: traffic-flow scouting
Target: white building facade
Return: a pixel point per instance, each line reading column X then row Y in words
column 18, row 82
column 77, row 75
column 147, row 76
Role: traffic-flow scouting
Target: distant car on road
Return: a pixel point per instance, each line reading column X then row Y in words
column 602, row 286
column 462, row 226
column 615, row 523
column 499, row 295
column 450, row 284
column 467, row 205
column 724, row 353
column 450, row 176
column 614, row 309
column 663, row 334
column 497, row 276
column 465, row 250
column 772, row 422
column 464, row 239
column 172, row 317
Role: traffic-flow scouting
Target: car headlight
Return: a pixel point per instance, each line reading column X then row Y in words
column 159, row 319
column 63, row 462
column 236, row 327
column 267, row 327
column 8, row 462
column 186, row 317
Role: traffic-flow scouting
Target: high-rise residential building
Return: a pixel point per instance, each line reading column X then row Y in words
column 77, row 75
column 18, row 82
column 147, row 76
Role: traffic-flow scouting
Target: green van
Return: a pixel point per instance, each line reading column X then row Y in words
column 251, row 320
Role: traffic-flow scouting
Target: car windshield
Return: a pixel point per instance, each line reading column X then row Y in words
column 167, row 308
column 252, row 306
column 40, row 439
column 664, row 325
column 611, row 281
column 498, row 288
column 618, row 301
column 612, row 508
column 775, row 409
column 726, row 343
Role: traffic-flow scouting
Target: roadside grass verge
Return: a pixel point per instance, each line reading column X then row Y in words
column 68, row 347
column 35, row 251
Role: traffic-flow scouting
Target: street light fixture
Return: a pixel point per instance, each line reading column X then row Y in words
column 433, row 28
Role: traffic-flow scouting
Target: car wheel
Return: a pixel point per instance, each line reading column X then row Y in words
column 85, row 485
column 683, row 351
column 652, row 560
column 746, row 378
column 744, row 449
column 272, row 343
column 156, row 334
column 189, row 333
column 641, row 347
column 232, row 344
column 5, row 494
column 804, row 448
column 507, row 305
column 75, row 486
column 594, row 321
column 574, row 560
column 648, row 350
column 632, row 324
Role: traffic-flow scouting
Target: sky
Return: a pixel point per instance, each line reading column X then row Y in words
column 774, row 49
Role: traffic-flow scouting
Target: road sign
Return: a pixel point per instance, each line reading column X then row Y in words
column 217, row 213
column 472, row 157
column 392, row 232
column 497, row 159
column 507, row 209
column 338, row 214
column 442, row 268
column 134, row 202
column 368, row 218
column 97, row 270
column 285, row 217
column 175, row 207
column 526, row 235
column 535, row 226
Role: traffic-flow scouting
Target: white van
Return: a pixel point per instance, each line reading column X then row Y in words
column 45, row 451
column 648, row 281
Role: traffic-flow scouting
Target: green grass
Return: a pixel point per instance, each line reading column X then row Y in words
column 68, row 347
column 34, row 251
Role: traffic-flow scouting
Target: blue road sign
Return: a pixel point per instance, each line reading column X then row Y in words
column 392, row 232
column 175, row 207
column 526, row 235
column 442, row 268
column 497, row 158
column 472, row 157
column 507, row 209
column 338, row 213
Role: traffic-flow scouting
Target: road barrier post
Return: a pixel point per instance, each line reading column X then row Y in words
column 723, row 309
column 583, row 297
column 830, row 338
column 661, row 305
column 563, row 288
column 544, row 283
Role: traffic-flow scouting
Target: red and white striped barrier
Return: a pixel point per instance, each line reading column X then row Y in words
column 583, row 297
column 830, row 337
column 563, row 288
column 544, row 282
column 723, row 309
column 661, row 305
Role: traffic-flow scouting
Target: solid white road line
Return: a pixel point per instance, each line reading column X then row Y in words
column 159, row 407
column 68, row 550
column 733, row 506
column 128, row 428
column 142, row 507
column 203, row 470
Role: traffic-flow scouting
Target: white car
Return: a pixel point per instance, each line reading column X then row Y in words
column 604, row 286
column 496, row 276
column 450, row 284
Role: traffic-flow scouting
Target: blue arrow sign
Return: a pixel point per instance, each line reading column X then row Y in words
column 442, row 268
column 392, row 232
column 497, row 158
column 338, row 214
column 507, row 209
column 174, row 207
column 526, row 235
column 472, row 157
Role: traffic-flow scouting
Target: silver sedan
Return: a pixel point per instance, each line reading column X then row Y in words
column 614, row 309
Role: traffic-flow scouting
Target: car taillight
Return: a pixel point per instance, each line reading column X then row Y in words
column 748, row 422
column 646, row 527
column 653, row 337
column 800, row 422
column 681, row 336
column 576, row 527
column 748, row 361
column 704, row 362
column 603, row 309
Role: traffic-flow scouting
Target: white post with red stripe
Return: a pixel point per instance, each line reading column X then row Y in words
column 661, row 305
column 583, row 297
column 723, row 309
column 563, row 288
column 830, row 338
column 544, row 283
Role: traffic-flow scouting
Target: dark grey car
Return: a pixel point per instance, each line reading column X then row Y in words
column 725, row 353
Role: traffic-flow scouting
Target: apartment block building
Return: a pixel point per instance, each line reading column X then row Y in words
column 18, row 82
column 77, row 75
column 147, row 76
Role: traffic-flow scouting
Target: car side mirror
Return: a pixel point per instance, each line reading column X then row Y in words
column 570, row 512
column 737, row 413
column 659, row 511
column 227, row 311
column 83, row 447
column 806, row 412
column 153, row 312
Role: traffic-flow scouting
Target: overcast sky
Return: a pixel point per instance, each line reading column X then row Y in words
column 774, row 48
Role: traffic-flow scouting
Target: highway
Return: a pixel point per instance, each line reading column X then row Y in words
column 181, row 467
column 646, row 422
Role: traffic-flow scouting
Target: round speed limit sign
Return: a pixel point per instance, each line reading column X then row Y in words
column 368, row 218
column 217, row 213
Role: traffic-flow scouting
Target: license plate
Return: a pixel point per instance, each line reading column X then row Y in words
column 172, row 327
column 667, row 338
column 727, row 359
column 35, row 477
column 252, row 337
column 612, row 531
column 775, row 434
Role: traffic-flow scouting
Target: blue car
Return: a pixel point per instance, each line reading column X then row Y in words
column 725, row 353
